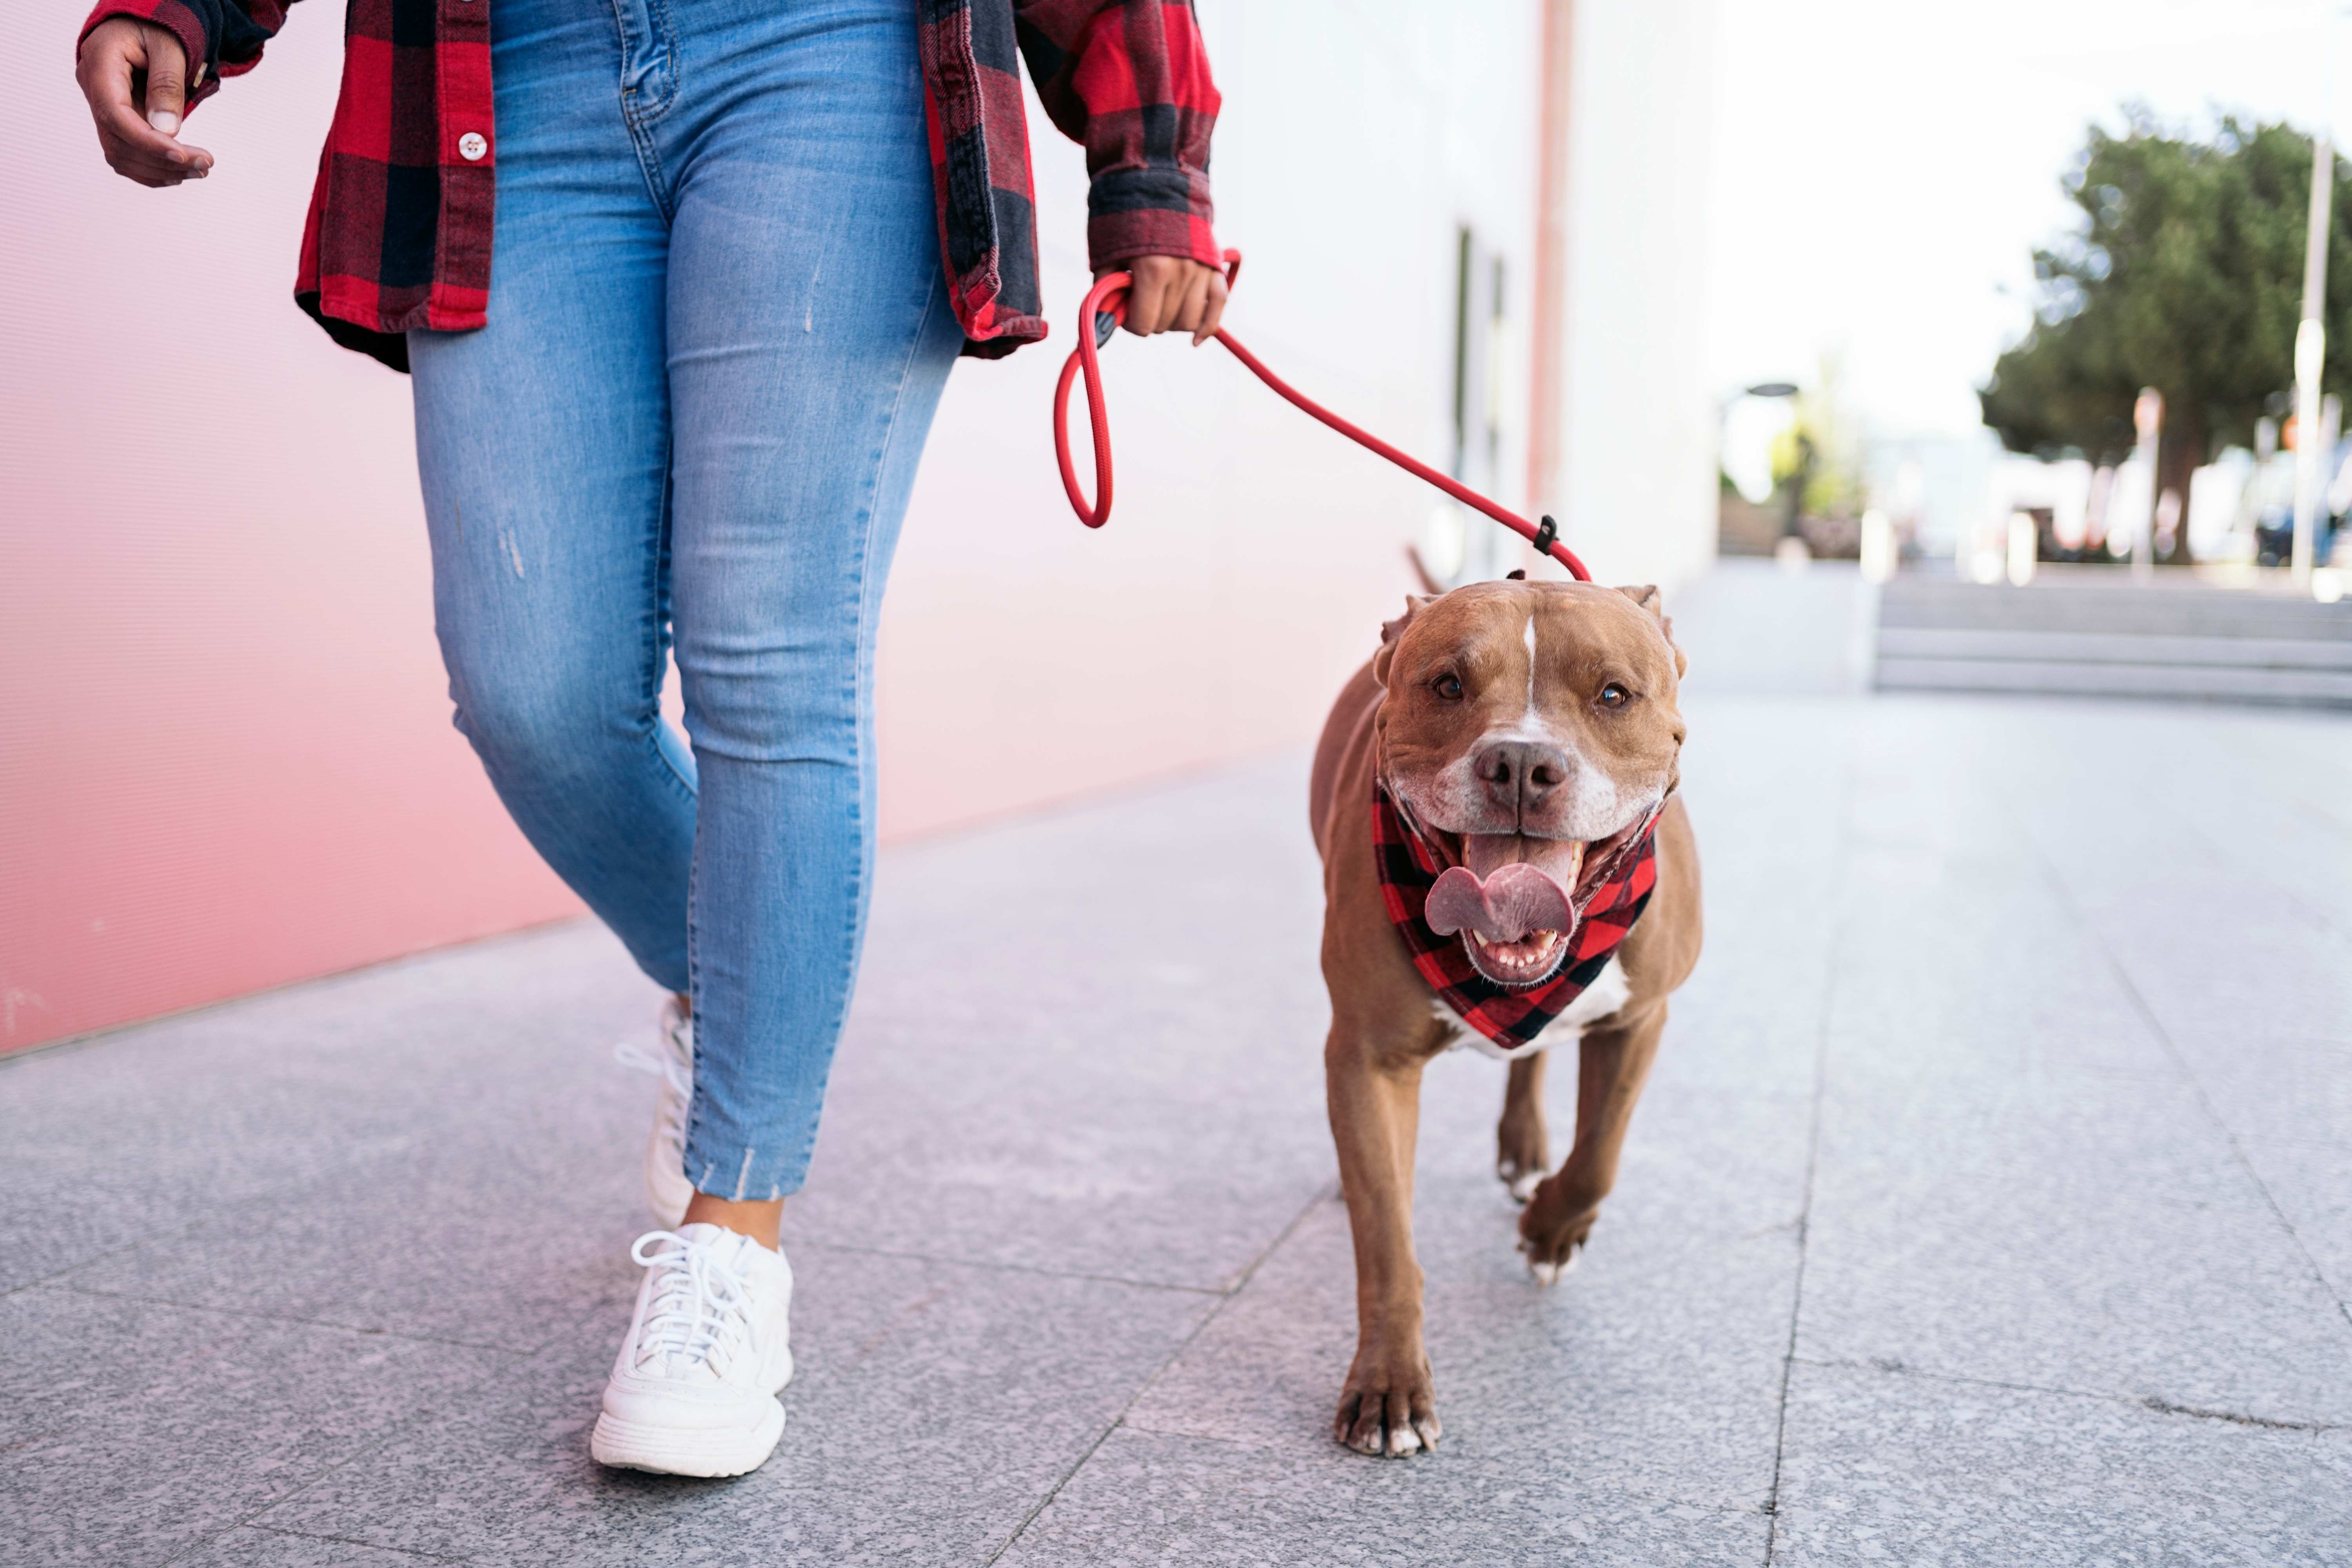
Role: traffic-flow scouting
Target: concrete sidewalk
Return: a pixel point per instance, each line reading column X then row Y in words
column 1991, row 1203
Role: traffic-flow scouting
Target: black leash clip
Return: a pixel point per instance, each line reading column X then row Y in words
column 1546, row 537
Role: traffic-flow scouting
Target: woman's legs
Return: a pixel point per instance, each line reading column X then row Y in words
column 809, row 338
column 718, row 334
column 543, row 444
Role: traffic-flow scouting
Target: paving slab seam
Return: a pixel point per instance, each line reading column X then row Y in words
column 1012, row 1267
column 287, row 1318
column 356, row 1154
column 364, row 1545
column 2235, row 1417
column 1597, row 1489
column 2163, row 1037
column 1325, row 1194
column 45, row 1281
column 20, row 1442
column 1665, row 1499
column 250, row 1521
column 2160, row 1406
column 1840, row 859
column 2327, row 822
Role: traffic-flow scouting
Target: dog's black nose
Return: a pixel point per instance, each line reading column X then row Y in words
column 1518, row 774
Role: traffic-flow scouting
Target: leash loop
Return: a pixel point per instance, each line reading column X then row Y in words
column 1105, row 307
column 1105, row 310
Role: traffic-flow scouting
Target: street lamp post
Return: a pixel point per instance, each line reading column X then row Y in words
column 2147, row 425
column 2311, row 334
column 2310, row 356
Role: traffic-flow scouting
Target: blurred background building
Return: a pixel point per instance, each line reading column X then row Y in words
column 226, row 760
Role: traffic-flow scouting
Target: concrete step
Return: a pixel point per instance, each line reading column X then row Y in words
column 2103, row 637
column 2114, row 647
column 2187, row 609
column 2206, row 683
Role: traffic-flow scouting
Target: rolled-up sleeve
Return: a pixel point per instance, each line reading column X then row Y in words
column 1129, row 81
column 222, row 38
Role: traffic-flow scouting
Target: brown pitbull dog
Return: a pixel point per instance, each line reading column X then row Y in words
column 1530, row 730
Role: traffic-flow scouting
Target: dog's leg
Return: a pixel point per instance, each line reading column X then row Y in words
column 1389, row 1406
column 1612, row 1062
column 1522, row 1148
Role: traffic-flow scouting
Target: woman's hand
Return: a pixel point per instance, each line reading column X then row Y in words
column 135, row 75
column 1172, row 294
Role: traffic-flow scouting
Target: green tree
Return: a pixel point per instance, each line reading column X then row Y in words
column 2187, row 276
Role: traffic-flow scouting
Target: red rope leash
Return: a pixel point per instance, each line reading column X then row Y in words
column 1108, row 298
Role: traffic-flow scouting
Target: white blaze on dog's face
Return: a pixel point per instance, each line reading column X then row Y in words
column 1531, row 728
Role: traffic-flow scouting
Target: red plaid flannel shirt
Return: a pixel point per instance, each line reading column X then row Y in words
column 1510, row 1017
column 399, row 229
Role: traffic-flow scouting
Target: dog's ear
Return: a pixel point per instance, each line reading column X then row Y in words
column 1422, row 574
column 1648, row 598
column 1391, row 630
column 1413, row 604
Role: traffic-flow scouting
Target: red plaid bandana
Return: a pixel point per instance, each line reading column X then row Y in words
column 1509, row 1017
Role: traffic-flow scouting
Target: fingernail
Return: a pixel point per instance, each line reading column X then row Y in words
column 164, row 121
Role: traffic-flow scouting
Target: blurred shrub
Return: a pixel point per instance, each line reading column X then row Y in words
column 2186, row 276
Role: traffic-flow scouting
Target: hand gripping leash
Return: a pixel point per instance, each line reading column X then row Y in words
column 1105, row 309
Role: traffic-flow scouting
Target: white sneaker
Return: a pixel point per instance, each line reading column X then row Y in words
column 672, row 1062
column 694, row 1389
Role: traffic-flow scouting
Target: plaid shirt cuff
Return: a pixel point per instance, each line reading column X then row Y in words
column 182, row 22
column 1149, row 212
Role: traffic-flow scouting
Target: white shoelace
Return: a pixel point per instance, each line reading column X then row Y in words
column 697, row 1314
column 672, row 1072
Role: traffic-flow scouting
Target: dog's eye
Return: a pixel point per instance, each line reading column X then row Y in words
column 1614, row 696
column 1447, row 686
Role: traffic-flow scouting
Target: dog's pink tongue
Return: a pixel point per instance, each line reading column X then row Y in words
column 1487, row 853
column 1514, row 901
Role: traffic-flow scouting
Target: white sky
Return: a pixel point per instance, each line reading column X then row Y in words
column 1882, row 167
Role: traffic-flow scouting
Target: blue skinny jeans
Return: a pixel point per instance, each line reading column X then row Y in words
column 718, row 333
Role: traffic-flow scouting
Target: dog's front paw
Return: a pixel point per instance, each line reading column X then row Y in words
column 1521, row 1168
column 1387, row 1409
column 1547, row 1274
column 1521, row 1182
column 1522, row 1152
column 1552, row 1233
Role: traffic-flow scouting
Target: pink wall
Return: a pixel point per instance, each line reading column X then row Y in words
column 226, row 760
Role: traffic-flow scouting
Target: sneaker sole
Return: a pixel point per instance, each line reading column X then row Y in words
column 675, row 1451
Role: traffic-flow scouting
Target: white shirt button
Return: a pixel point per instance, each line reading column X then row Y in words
column 471, row 146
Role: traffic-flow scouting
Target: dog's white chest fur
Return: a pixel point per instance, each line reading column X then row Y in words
column 1607, row 992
